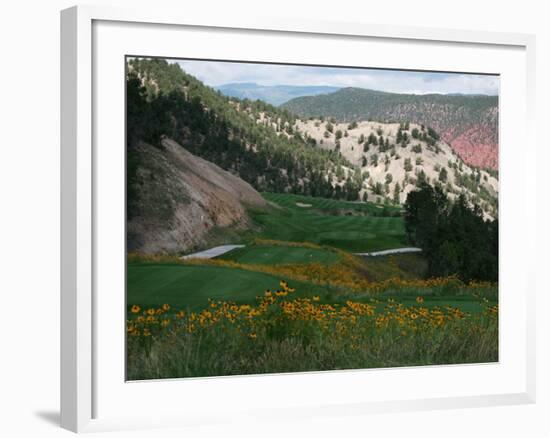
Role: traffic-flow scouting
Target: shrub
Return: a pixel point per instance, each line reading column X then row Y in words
column 433, row 134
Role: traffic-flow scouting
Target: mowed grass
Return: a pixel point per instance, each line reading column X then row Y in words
column 276, row 306
column 278, row 255
column 327, row 205
column 190, row 286
column 354, row 227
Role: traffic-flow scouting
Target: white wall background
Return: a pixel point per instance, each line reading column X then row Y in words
column 29, row 215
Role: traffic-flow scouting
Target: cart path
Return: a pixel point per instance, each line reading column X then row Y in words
column 389, row 252
column 212, row 252
column 219, row 250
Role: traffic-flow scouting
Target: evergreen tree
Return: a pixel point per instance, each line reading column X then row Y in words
column 396, row 193
column 454, row 237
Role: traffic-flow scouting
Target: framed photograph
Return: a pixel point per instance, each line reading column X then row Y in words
column 257, row 209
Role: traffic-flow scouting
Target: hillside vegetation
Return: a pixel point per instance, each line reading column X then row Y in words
column 389, row 160
column 251, row 139
column 173, row 117
column 469, row 123
column 275, row 151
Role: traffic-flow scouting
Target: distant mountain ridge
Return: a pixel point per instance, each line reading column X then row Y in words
column 273, row 94
column 469, row 123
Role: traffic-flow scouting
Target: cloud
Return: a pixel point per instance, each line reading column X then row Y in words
column 216, row 73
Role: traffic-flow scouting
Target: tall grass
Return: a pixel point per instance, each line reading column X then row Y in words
column 284, row 334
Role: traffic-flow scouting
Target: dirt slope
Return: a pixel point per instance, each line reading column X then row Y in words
column 185, row 202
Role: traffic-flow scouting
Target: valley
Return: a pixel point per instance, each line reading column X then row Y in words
column 265, row 238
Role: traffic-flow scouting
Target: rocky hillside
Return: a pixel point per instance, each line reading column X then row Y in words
column 184, row 202
column 274, row 151
column 391, row 159
column 468, row 123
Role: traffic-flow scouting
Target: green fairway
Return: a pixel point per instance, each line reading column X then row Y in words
column 329, row 205
column 277, row 255
column 354, row 227
column 190, row 286
column 466, row 303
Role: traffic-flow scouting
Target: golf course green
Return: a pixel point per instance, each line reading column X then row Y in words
column 351, row 226
column 294, row 231
column 190, row 287
column 279, row 255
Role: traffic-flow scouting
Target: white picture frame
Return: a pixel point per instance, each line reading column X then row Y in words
column 83, row 326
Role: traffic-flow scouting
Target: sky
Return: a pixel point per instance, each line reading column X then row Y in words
column 215, row 73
